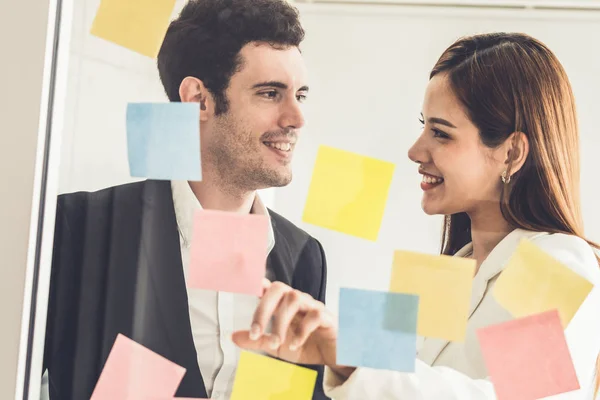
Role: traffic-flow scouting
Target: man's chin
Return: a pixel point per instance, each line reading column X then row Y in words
column 281, row 182
column 276, row 179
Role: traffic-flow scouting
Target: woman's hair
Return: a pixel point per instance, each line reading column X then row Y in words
column 511, row 82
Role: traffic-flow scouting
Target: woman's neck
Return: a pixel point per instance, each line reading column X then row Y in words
column 486, row 232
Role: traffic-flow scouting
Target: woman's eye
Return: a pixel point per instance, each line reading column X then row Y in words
column 421, row 121
column 301, row 97
column 439, row 134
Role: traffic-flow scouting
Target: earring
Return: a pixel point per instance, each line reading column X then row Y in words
column 505, row 180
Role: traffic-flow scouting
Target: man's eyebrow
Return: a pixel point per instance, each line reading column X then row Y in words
column 277, row 84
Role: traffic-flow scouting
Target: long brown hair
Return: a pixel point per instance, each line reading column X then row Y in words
column 510, row 82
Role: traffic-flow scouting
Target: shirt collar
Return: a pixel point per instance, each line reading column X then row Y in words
column 186, row 204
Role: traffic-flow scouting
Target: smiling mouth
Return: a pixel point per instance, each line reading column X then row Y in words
column 429, row 182
column 432, row 180
column 285, row 147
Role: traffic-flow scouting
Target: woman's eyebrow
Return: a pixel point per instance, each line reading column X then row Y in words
column 441, row 121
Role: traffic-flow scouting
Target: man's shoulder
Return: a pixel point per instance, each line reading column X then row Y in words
column 76, row 204
column 102, row 195
column 284, row 227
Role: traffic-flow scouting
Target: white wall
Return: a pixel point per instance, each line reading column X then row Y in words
column 368, row 70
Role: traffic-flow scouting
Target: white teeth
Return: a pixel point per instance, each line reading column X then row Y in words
column 280, row 146
column 431, row 180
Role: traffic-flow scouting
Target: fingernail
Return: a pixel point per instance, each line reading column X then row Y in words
column 254, row 332
column 274, row 342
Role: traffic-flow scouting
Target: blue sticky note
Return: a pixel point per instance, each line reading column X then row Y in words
column 163, row 140
column 377, row 329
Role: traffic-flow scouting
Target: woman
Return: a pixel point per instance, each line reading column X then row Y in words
column 499, row 157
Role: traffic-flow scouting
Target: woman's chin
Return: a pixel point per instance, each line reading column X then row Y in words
column 430, row 208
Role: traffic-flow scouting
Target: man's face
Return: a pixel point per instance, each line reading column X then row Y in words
column 251, row 145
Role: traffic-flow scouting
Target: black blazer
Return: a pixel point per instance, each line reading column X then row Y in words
column 117, row 269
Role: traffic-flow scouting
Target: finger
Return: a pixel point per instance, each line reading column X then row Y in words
column 243, row 341
column 313, row 320
column 282, row 317
column 266, row 307
column 266, row 284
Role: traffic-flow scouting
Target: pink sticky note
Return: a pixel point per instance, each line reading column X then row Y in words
column 132, row 372
column 528, row 358
column 228, row 252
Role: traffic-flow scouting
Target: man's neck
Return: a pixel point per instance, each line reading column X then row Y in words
column 213, row 197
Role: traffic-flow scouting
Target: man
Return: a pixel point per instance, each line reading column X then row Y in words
column 121, row 254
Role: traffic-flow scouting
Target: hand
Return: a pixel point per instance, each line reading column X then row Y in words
column 303, row 331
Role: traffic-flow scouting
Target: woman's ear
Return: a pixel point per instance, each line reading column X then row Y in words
column 517, row 152
column 193, row 90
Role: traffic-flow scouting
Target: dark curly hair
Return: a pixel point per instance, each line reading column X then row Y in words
column 206, row 38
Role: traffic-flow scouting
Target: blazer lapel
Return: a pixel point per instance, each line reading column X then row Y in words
column 160, row 251
column 279, row 257
column 491, row 267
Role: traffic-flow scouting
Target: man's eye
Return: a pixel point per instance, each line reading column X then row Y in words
column 271, row 94
column 301, row 97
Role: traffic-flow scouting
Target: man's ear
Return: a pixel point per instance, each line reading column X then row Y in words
column 193, row 90
column 517, row 151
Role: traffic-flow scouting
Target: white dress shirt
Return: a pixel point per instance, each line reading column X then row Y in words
column 214, row 316
column 456, row 370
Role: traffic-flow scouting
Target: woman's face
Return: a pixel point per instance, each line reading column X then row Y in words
column 460, row 173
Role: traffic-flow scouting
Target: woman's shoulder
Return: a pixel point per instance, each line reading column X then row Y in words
column 572, row 251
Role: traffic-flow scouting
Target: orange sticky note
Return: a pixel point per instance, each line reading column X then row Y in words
column 528, row 358
column 534, row 282
column 443, row 284
column 133, row 372
column 138, row 25
column 228, row 252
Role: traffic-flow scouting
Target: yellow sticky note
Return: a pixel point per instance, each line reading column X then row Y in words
column 443, row 284
column 262, row 377
column 534, row 282
column 348, row 192
column 139, row 25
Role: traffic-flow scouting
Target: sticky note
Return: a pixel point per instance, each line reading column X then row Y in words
column 443, row 284
column 528, row 358
column 133, row 372
column 228, row 252
column 138, row 25
column 176, row 398
column 348, row 193
column 377, row 329
column 265, row 378
column 163, row 141
column 534, row 282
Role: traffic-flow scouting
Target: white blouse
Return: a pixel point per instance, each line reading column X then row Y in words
column 456, row 370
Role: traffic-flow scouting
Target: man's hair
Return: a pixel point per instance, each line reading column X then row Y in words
column 205, row 41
